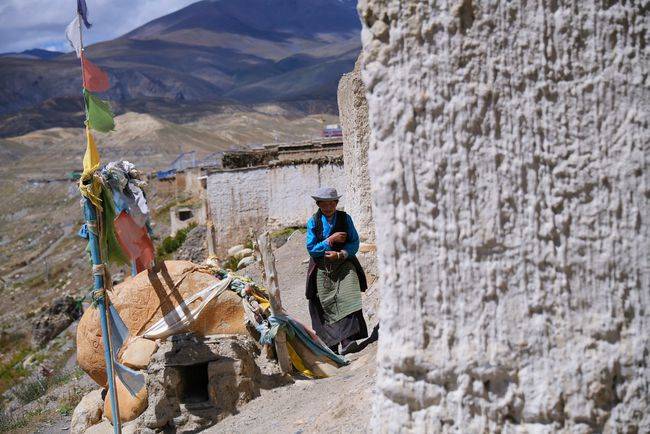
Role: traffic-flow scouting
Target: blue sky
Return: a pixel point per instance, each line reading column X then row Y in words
column 26, row 24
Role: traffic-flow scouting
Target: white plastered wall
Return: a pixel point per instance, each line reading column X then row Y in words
column 509, row 168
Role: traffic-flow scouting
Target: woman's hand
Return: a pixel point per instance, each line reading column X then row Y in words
column 337, row 237
column 331, row 255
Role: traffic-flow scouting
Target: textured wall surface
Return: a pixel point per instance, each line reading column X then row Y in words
column 239, row 200
column 509, row 171
column 278, row 196
column 353, row 115
column 290, row 202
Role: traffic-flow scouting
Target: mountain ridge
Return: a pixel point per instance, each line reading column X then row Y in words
column 239, row 52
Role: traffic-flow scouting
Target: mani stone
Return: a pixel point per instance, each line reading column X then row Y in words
column 143, row 299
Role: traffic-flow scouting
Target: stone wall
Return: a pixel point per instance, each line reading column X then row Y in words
column 353, row 115
column 291, row 187
column 239, row 200
column 275, row 197
column 509, row 167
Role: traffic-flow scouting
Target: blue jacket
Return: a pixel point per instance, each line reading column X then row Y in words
column 317, row 249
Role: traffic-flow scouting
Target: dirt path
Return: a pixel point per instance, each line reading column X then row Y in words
column 337, row 404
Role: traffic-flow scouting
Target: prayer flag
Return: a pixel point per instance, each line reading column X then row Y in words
column 73, row 33
column 88, row 185
column 135, row 241
column 95, row 80
column 91, row 157
column 98, row 113
column 82, row 10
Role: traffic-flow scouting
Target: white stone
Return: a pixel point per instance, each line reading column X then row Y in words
column 245, row 262
column 234, row 250
column 243, row 253
column 88, row 412
column 104, row 427
column 295, row 233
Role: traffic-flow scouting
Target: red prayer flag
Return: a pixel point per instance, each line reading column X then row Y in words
column 135, row 241
column 96, row 80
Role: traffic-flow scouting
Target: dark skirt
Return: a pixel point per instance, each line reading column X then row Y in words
column 352, row 327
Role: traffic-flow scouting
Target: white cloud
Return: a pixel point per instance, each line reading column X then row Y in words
column 26, row 24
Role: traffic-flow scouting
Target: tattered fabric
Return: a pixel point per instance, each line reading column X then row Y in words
column 98, row 113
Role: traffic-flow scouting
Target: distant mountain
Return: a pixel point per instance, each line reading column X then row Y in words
column 35, row 53
column 238, row 51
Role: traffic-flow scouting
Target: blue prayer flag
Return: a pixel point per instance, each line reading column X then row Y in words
column 82, row 10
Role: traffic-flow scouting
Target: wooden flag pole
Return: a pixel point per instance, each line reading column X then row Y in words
column 271, row 278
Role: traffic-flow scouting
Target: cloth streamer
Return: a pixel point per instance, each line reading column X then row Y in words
column 99, row 116
column 178, row 320
column 132, row 380
column 294, row 328
column 89, row 186
column 135, row 241
column 125, row 184
column 95, row 79
column 108, row 243
column 74, row 36
column 82, row 10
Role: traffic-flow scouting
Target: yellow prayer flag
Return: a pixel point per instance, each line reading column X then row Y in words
column 88, row 185
column 91, row 157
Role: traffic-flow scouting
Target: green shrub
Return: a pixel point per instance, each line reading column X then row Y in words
column 230, row 263
column 30, row 390
column 65, row 409
column 12, row 370
column 9, row 423
column 171, row 244
column 285, row 232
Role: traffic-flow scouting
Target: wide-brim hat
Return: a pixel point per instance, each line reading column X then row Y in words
column 326, row 193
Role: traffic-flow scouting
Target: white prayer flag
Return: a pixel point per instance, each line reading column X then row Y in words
column 73, row 33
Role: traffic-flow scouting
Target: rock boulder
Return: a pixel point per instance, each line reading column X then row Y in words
column 54, row 319
column 147, row 297
column 88, row 412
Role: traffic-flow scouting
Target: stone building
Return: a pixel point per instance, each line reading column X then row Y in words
column 508, row 162
column 274, row 190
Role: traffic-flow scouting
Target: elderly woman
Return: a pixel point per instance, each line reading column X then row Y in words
column 335, row 278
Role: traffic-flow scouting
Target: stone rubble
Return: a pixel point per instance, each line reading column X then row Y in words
column 54, row 319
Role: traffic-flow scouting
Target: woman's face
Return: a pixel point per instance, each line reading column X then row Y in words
column 327, row 207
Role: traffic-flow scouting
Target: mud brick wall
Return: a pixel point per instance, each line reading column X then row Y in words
column 266, row 197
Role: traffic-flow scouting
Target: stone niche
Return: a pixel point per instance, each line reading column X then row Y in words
column 194, row 382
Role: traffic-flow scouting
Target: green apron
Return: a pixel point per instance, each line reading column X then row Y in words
column 338, row 290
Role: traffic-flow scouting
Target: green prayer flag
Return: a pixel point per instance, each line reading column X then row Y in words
column 110, row 247
column 98, row 113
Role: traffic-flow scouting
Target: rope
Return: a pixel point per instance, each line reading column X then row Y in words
column 96, row 294
column 99, row 269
